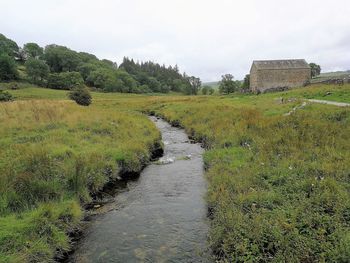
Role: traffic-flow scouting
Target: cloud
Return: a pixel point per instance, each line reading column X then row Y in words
column 205, row 38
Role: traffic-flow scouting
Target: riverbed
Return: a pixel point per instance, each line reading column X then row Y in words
column 161, row 216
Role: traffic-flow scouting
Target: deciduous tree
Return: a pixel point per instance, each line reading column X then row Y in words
column 315, row 69
column 37, row 70
column 227, row 84
column 33, row 50
column 8, row 68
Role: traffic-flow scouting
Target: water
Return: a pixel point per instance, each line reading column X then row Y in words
column 162, row 215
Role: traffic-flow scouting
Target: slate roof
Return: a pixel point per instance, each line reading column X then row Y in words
column 281, row 64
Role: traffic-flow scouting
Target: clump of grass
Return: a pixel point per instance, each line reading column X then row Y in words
column 37, row 235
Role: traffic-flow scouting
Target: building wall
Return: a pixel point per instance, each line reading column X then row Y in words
column 269, row 79
column 253, row 79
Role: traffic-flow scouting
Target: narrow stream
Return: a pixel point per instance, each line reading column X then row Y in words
column 161, row 217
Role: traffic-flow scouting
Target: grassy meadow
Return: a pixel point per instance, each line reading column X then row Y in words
column 278, row 183
column 53, row 156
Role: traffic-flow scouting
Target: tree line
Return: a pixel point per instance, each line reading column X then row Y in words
column 59, row 67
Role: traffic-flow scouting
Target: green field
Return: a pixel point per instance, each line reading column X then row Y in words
column 53, row 156
column 278, row 185
column 331, row 75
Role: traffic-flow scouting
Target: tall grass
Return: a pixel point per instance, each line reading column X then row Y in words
column 279, row 186
column 54, row 155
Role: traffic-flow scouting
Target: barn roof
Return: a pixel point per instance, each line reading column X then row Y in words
column 281, row 64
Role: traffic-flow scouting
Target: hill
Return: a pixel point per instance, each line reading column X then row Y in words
column 59, row 67
column 331, row 75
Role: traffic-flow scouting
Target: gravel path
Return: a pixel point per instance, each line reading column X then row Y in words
column 339, row 104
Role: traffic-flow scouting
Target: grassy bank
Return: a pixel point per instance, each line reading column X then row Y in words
column 53, row 156
column 279, row 186
column 339, row 93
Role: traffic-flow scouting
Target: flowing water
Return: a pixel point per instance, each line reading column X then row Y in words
column 161, row 217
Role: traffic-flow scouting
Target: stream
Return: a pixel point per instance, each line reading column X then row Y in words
column 161, row 216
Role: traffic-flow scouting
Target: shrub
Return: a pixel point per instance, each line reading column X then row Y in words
column 81, row 96
column 5, row 96
column 207, row 90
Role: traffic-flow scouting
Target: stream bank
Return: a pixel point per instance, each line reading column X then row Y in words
column 160, row 216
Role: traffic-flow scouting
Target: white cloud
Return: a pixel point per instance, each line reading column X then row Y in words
column 205, row 38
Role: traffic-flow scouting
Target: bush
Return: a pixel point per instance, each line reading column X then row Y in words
column 81, row 96
column 5, row 96
column 207, row 90
column 64, row 80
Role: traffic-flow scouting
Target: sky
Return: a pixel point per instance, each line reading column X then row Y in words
column 204, row 38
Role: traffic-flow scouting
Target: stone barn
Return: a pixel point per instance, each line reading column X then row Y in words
column 270, row 75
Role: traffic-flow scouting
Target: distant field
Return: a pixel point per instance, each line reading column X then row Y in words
column 324, row 92
column 213, row 84
column 331, row 75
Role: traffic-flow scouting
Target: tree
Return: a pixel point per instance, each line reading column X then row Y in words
column 109, row 63
column 8, row 68
column 85, row 71
column 176, row 85
column 165, row 88
column 227, row 84
column 205, row 90
column 8, row 46
column 37, row 70
column 100, row 77
column 154, row 84
column 167, row 77
column 315, row 69
column 117, row 85
column 81, row 96
column 192, row 86
column 61, row 59
column 33, row 50
column 64, row 80
column 211, row 91
column 129, row 83
column 21, row 56
column 86, row 57
column 246, row 82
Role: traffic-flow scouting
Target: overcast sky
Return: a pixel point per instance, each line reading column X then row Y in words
column 205, row 38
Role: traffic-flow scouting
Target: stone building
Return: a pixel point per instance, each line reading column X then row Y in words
column 270, row 75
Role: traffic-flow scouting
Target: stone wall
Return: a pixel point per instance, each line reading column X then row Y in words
column 253, row 79
column 270, row 79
